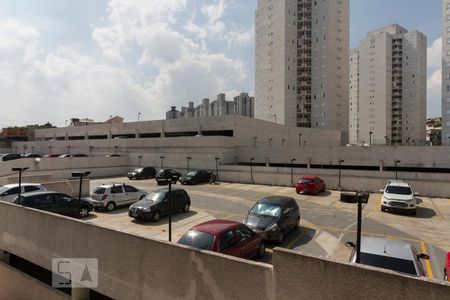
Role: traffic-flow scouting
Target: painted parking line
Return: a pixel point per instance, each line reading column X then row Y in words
column 378, row 205
column 427, row 262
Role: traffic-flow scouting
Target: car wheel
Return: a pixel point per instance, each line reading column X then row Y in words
column 186, row 207
column 383, row 208
column 83, row 213
column 156, row 216
column 297, row 224
column 261, row 250
column 110, row 206
column 298, row 192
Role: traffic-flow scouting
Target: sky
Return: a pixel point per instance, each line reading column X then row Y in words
column 95, row 58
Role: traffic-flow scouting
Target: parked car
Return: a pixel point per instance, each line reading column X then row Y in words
column 310, row 184
column 10, row 156
column 56, row 203
column 398, row 196
column 393, row 255
column 142, row 173
column 227, row 237
column 156, row 204
column 275, row 215
column 162, row 174
column 73, row 155
column 194, row 177
column 110, row 196
column 447, row 267
column 32, row 155
column 52, row 155
column 10, row 191
column 112, row 155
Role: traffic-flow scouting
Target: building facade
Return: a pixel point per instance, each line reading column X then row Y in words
column 388, row 88
column 446, row 72
column 173, row 113
column 302, row 52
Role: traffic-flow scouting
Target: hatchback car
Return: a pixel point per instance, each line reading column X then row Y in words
column 142, row 173
column 310, row 184
column 156, row 204
column 393, row 255
column 447, row 267
column 73, row 155
column 10, row 191
column 162, row 175
column 110, row 196
column 32, row 155
column 195, row 177
column 56, row 203
column 10, row 156
column 275, row 215
column 227, row 237
column 398, row 196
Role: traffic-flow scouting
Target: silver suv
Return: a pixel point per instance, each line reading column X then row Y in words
column 398, row 196
column 110, row 196
column 10, row 191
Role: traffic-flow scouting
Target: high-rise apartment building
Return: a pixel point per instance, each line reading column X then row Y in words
column 388, row 76
column 446, row 72
column 244, row 105
column 302, row 52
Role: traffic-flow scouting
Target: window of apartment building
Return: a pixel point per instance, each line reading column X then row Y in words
column 448, row 112
column 448, row 5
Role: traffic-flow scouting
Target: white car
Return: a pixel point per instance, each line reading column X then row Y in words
column 110, row 196
column 10, row 191
column 398, row 196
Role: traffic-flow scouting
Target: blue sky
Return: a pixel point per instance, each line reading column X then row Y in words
column 94, row 58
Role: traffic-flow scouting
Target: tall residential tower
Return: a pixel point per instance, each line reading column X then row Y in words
column 388, row 77
column 446, row 72
column 302, row 52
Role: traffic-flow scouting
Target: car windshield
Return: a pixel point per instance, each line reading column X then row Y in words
column 197, row 239
column 267, row 209
column 307, row 181
column 99, row 191
column 138, row 170
column 390, row 263
column 399, row 190
column 155, row 197
column 193, row 173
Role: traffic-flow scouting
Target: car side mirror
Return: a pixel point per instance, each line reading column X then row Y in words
column 423, row 256
column 350, row 245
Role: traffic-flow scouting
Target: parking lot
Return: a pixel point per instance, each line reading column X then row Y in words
column 326, row 223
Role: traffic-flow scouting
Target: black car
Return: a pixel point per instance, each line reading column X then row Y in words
column 195, row 177
column 142, row 173
column 156, row 204
column 10, row 156
column 55, row 202
column 276, row 215
column 162, row 175
column 32, row 155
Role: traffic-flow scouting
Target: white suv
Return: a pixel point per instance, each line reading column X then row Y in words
column 10, row 191
column 109, row 196
column 398, row 196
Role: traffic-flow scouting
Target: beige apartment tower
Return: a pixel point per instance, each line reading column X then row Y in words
column 446, row 72
column 302, row 52
column 388, row 77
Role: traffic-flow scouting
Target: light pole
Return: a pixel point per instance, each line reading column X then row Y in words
column 90, row 150
column 168, row 181
column 299, row 139
column 251, row 170
column 254, row 141
column 292, row 171
column 139, row 118
column 80, row 175
column 162, row 158
column 340, row 165
column 110, row 126
column 20, row 170
column 68, row 149
column 396, row 163
column 370, row 138
column 270, row 141
column 217, row 166
column 139, row 158
column 188, row 158
column 275, row 116
column 50, row 150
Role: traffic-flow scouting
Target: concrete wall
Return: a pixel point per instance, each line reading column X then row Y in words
column 132, row 267
column 317, row 278
column 17, row 285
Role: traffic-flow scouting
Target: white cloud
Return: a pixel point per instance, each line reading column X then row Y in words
column 435, row 54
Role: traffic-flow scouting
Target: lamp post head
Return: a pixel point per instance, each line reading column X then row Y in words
column 252, row 159
column 162, row 157
column 341, row 161
column 19, row 169
column 292, row 160
column 216, row 158
column 188, row 157
column 80, row 174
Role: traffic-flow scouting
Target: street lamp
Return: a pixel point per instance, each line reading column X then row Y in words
column 162, row 158
column 90, row 150
column 255, row 138
column 217, row 166
column 68, row 149
column 81, row 175
column 370, row 138
column 292, row 171
column 50, row 150
column 270, row 141
column 20, row 170
column 340, row 165
column 188, row 158
column 139, row 158
column 251, row 170
column 396, row 163
column 299, row 139
column 275, row 116
column 168, row 181
column 139, row 118
column 110, row 124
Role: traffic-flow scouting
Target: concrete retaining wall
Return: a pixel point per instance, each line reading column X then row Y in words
column 17, row 285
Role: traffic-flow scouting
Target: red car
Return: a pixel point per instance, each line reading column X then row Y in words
column 447, row 268
column 310, row 184
column 227, row 237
